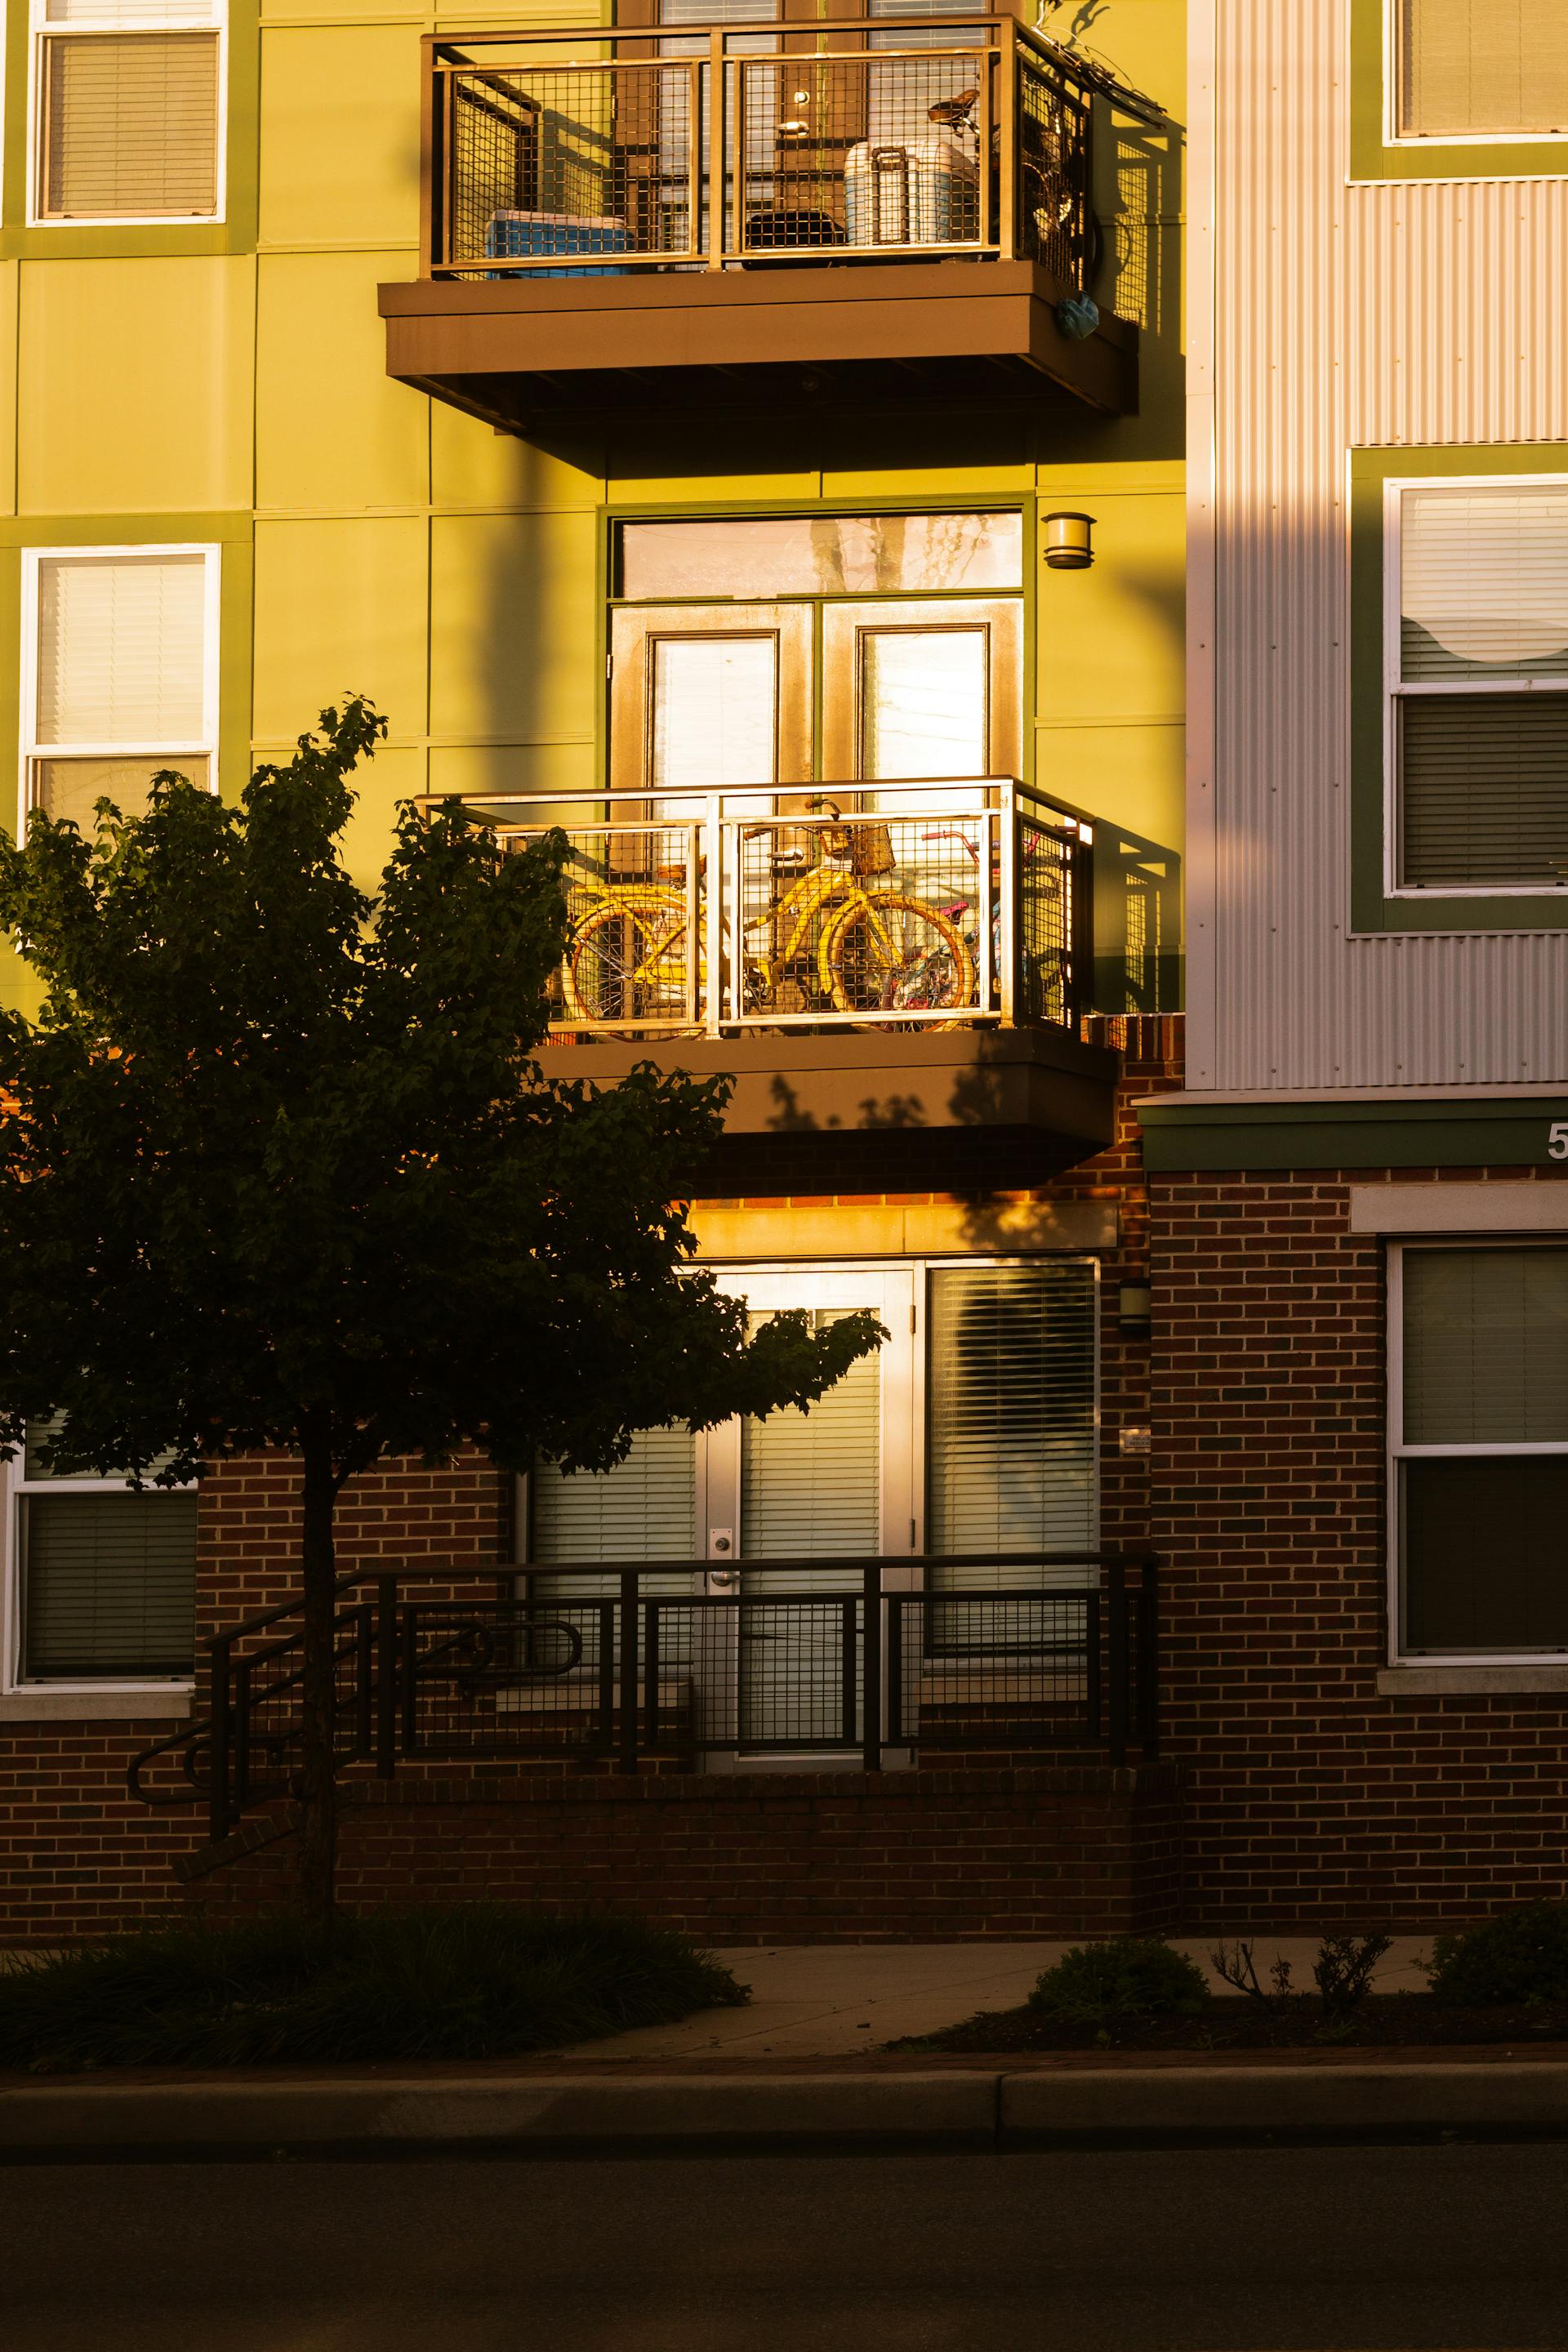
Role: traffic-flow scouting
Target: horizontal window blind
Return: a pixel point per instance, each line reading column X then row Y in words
column 1484, row 789
column 1484, row 581
column 1485, row 1564
column 1010, row 1460
column 645, row 1508
column 122, row 649
column 108, row 1585
column 1486, row 67
column 128, row 123
column 72, row 788
column 1486, row 1346
column 811, row 1482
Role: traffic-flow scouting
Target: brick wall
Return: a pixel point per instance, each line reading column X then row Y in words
column 839, row 1857
column 77, row 1853
column 1309, row 1797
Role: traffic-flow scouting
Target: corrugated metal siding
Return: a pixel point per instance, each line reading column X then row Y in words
column 1345, row 315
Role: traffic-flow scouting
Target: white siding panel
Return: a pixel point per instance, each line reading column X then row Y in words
column 1387, row 313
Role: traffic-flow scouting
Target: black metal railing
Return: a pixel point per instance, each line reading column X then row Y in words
column 629, row 1664
column 586, row 150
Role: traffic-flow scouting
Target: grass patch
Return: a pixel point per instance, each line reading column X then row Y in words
column 475, row 1981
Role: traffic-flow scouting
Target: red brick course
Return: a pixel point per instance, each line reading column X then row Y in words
column 809, row 1857
column 1312, row 1798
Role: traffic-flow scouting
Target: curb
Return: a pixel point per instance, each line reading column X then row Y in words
column 567, row 2114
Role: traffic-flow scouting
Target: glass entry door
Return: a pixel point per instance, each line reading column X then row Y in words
column 835, row 1482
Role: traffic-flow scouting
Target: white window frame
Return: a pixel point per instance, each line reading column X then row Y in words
column 904, row 1467
column 1399, row 1653
column 15, row 1485
column 1398, row 689
column 1394, row 137
column 167, row 753
column 174, row 19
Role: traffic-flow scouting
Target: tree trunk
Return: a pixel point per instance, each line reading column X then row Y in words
column 317, row 1785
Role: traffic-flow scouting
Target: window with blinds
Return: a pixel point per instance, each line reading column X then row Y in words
column 106, row 1576
column 1481, row 68
column 129, row 110
column 1479, row 680
column 1011, row 1419
column 1481, row 1449
column 121, row 668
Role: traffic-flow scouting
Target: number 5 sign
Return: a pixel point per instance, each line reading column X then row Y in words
column 1557, row 1139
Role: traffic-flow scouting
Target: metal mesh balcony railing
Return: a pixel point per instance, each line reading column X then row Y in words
column 940, row 905
column 630, row 1664
column 574, row 153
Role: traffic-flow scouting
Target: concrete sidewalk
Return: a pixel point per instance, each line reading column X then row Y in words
column 832, row 2001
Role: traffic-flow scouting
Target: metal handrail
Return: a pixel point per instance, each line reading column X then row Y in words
column 397, row 1649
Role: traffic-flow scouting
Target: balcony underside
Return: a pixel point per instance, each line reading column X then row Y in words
column 986, row 1108
column 512, row 351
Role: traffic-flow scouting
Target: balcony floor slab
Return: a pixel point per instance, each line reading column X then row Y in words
column 951, row 1108
column 509, row 350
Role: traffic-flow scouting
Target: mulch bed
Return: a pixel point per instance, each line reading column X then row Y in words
column 1397, row 2019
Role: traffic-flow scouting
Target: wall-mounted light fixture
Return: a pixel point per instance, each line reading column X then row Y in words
column 1134, row 1310
column 1069, row 541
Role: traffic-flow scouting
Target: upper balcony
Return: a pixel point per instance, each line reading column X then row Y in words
column 855, row 209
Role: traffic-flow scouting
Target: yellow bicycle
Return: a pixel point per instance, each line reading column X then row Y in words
column 834, row 940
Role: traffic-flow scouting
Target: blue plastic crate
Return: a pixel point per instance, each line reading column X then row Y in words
column 521, row 236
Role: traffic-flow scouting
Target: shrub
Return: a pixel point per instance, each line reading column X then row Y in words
column 1130, row 1980
column 479, row 1981
column 1522, row 1956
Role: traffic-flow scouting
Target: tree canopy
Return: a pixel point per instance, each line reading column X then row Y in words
column 279, row 1164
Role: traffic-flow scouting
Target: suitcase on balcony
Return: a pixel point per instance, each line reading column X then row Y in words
column 921, row 190
column 519, row 236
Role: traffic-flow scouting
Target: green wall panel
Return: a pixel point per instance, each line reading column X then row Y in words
column 135, row 385
column 332, row 430
column 340, row 609
column 511, row 651
column 340, row 140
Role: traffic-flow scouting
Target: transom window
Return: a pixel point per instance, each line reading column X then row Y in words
column 119, row 675
column 127, row 109
column 1466, row 70
column 1475, row 677
column 1479, row 1404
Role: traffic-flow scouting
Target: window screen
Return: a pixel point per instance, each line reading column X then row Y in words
column 128, row 111
column 1484, row 1566
column 1482, row 686
column 1480, row 68
column 1011, row 1414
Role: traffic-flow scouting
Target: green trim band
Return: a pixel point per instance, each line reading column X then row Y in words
column 1180, row 1137
column 1372, row 157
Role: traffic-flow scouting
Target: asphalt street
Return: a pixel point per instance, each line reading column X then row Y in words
column 1456, row 2247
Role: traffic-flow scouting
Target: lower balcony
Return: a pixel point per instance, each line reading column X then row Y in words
column 617, row 220
column 898, row 974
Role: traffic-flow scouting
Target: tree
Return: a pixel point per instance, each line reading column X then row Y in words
column 279, row 1167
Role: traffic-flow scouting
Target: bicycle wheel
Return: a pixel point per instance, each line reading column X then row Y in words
column 891, row 953
column 626, row 964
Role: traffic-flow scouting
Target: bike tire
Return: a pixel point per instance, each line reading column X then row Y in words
column 601, row 969
column 846, row 977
